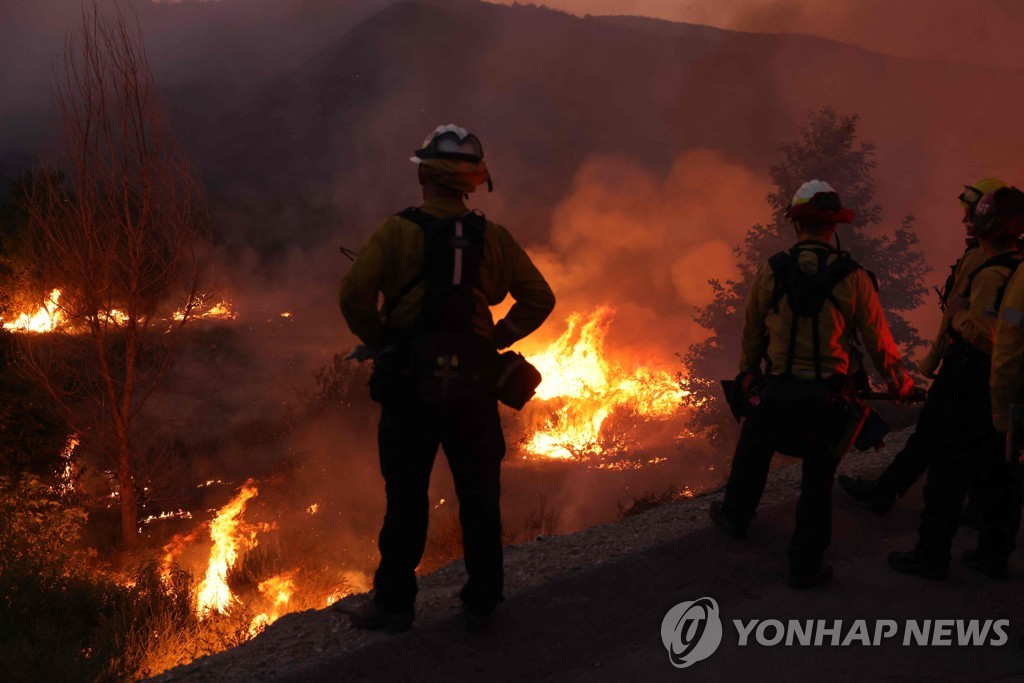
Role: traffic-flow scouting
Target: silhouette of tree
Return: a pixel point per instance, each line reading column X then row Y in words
column 828, row 150
column 123, row 235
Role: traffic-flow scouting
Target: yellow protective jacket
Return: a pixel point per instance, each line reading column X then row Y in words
column 766, row 331
column 393, row 257
column 965, row 265
column 1007, row 378
column 973, row 313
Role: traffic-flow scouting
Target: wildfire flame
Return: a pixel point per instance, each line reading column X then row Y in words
column 66, row 478
column 47, row 319
column 225, row 530
column 278, row 590
column 222, row 310
column 589, row 388
column 50, row 317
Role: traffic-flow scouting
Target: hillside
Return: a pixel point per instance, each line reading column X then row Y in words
column 302, row 120
column 588, row 606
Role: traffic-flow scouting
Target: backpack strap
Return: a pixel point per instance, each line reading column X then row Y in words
column 1011, row 260
column 466, row 243
column 423, row 219
column 1008, row 259
column 780, row 264
column 834, row 273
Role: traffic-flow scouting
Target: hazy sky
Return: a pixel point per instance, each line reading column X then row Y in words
column 979, row 31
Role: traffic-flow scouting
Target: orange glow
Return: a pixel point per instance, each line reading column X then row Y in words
column 228, row 537
column 222, row 310
column 47, row 319
column 589, row 388
column 278, row 590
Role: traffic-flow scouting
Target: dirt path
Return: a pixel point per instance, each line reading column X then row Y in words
column 587, row 622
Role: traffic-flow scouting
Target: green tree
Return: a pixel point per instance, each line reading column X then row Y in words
column 828, row 149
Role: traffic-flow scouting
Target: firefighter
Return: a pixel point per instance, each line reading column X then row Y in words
column 804, row 308
column 912, row 461
column 961, row 395
column 1000, row 479
column 434, row 345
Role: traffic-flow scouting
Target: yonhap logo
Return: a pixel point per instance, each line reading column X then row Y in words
column 691, row 631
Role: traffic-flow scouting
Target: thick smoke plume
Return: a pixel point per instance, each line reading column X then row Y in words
column 647, row 244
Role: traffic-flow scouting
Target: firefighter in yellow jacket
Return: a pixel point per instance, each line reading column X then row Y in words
column 931, row 430
column 434, row 344
column 1000, row 478
column 961, row 394
column 802, row 312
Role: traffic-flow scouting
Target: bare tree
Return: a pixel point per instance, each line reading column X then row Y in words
column 123, row 233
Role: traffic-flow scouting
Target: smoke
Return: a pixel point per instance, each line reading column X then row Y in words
column 983, row 32
column 629, row 164
column 647, row 243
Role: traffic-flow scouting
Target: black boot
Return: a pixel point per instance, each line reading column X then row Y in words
column 868, row 491
column 913, row 562
column 370, row 616
column 990, row 566
column 728, row 525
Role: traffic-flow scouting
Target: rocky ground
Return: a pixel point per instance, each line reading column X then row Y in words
column 588, row 606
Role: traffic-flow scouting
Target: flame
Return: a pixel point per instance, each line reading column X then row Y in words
column 179, row 514
column 228, row 536
column 589, row 388
column 313, row 509
column 222, row 310
column 113, row 317
column 48, row 318
column 66, row 478
column 278, row 590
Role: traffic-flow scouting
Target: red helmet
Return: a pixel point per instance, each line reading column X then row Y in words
column 817, row 202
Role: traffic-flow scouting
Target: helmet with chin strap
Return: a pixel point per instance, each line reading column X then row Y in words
column 453, row 157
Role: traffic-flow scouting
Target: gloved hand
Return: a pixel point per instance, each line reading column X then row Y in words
column 503, row 336
column 902, row 389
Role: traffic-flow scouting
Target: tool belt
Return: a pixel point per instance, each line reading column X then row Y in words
column 438, row 367
column 808, row 418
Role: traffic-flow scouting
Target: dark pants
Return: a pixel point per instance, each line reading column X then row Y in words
column 813, row 531
column 1000, row 486
column 409, row 434
column 913, row 460
column 966, row 448
column 929, row 436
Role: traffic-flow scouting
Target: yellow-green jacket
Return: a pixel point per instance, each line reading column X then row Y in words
column 973, row 314
column 767, row 331
column 1007, row 377
column 971, row 259
column 393, row 257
